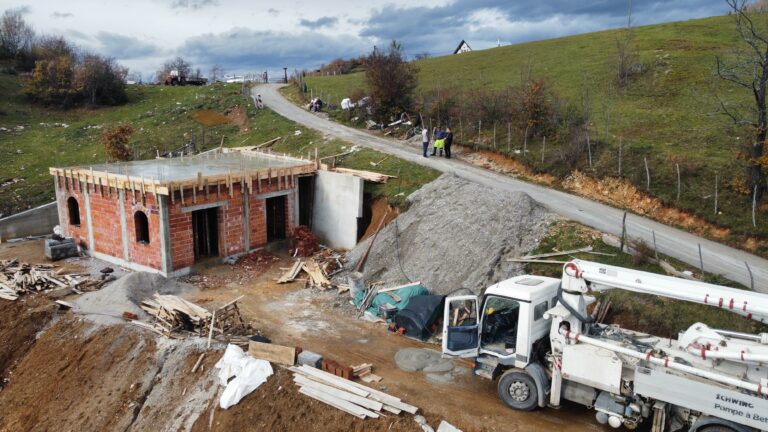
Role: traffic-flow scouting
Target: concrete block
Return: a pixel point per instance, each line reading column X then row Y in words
column 310, row 359
column 56, row 250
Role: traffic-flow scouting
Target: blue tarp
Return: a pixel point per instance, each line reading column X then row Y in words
column 404, row 294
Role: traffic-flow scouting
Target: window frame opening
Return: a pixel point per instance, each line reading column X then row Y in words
column 141, row 227
column 73, row 210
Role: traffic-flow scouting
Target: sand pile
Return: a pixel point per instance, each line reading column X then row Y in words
column 455, row 234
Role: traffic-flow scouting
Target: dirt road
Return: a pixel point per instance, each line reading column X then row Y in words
column 322, row 322
column 676, row 243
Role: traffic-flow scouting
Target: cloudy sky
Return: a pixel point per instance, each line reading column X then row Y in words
column 254, row 35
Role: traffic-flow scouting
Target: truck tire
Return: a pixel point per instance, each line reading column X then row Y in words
column 716, row 428
column 518, row 390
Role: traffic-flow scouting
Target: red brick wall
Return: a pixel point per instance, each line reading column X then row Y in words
column 230, row 218
column 105, row 221
column 149, row 254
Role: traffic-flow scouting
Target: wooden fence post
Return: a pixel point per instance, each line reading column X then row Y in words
column 494, row 135
column 677, row 166
column 620, row 142
column 479, row 133
column 589, row 150
column 717, row 179
column 655, row 249
column 754, row 207
column 751, row 277
column 623, row 231
column 543, row 148
column 647, row 175
column 509, row 137
column 701, row 262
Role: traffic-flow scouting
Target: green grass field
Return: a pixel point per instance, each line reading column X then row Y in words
column 161, row 118
column 668, row 115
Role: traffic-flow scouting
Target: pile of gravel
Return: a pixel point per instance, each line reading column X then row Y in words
column 455, row 234
column 124, row 295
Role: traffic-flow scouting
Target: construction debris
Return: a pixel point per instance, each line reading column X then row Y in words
column 17, row 278
column 319, row 268
column 363, row 371
column 365, row 175
column 348, row 396
column 173, row 316
column 305, row 242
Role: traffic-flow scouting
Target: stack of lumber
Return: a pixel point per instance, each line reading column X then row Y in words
column 318, row 269
column 348, row 396
column 363, row 371
column 172, row 313
column 365, row 175
column 17, row 278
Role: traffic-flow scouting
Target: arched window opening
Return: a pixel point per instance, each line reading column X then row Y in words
column 74, row 211
column 142, row 227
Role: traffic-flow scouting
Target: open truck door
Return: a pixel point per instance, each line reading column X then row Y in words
column 461, row 327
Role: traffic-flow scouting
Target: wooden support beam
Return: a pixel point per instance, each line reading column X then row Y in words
column 170, row 191
column 258, row 181
column 200, row 180
column 206, row 188
column 181, row 189
column 194, row 195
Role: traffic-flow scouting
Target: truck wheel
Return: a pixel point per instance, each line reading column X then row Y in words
column 518, row 391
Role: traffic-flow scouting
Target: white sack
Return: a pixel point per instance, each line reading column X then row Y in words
column 249, row 374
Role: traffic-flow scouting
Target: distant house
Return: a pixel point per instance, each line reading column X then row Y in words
column 462, row 48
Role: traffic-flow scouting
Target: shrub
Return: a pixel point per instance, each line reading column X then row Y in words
column 116, row 142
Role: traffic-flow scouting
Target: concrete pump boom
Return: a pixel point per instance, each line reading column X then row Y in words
column 579, row 277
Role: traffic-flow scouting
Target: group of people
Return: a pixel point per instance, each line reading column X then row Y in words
column 442, row 141
column 315, row 105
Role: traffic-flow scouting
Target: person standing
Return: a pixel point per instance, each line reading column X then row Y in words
column 448, row 142
column 439, row 142
column 424, row 140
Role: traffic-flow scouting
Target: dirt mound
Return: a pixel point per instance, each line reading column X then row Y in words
column 124, row 295
column 278, row 406
column 20, row 321
column 455, row 234
column 116, row 378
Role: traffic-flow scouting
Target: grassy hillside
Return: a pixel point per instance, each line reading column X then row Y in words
column 667, row 115
column 36, row 138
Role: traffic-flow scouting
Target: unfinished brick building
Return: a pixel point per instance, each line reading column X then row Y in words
column 164, row 215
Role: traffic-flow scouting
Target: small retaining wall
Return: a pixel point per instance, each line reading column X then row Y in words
column 32, row 222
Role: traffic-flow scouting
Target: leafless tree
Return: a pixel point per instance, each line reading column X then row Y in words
column 177, row 64
column 747, row 67
column 626, row 55
column 16, row 36
column 217, row 72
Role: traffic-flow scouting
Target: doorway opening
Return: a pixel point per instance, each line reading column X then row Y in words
column 306, row 198
column 205, row 233
column 276, row 218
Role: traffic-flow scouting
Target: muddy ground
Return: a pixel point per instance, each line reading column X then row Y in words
column 78, row 375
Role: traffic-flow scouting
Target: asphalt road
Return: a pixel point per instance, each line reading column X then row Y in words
column 718, row 258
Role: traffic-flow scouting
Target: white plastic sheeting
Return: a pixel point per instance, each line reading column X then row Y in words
column 249, row 373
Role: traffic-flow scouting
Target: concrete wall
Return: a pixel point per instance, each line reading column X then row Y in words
column 36, row 221
column 338, row 203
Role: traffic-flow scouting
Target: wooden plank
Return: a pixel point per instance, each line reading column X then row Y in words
column 520, row 260
column 330, row 379
column 552, row 254
column 334, row 402
column 341, row 394
column 272, row 353
column 374, row 394
column 383, row 290
column 291, row 274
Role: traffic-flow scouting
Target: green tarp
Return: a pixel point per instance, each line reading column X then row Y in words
column 404, row 294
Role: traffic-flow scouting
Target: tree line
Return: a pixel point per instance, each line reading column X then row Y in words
column 56, row 72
